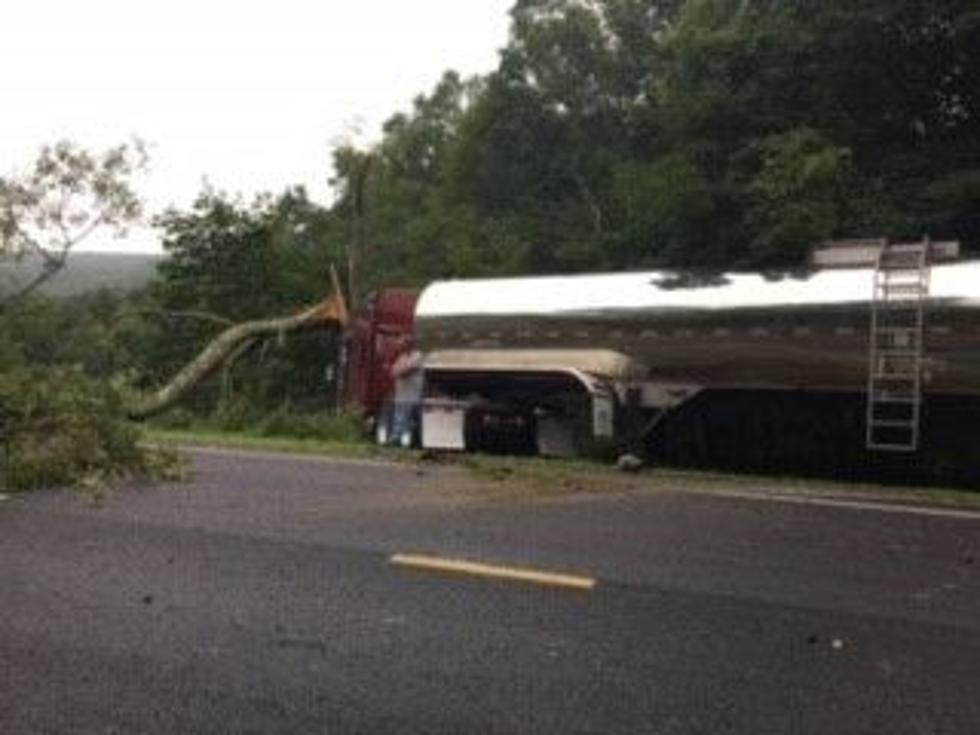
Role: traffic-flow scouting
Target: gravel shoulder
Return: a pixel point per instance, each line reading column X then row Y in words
column 537, row 478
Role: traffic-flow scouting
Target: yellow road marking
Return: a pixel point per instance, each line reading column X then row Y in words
column 459, row 566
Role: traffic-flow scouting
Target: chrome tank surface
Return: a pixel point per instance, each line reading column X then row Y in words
column 732, row 331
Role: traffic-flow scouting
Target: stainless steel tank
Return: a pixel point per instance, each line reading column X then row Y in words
column 806, row 332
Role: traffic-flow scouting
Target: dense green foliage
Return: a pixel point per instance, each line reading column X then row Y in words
column 619, row 134
column 62, row 396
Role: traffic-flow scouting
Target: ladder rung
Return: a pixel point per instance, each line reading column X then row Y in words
column 906, row 254
column 879, row 447
column 895, row 360
column 902, row 290
column 892, row 269
column 902, row 264
column 913, row 334
column 902, row 400
column 900, row 293
column 903, row 301
column 914, row 329
column 904, row 272
column 887, row 344
column 908, row 421
column 889, row 395
column 909, row 424
column 889, row 364
column 895, row 282
column 888, row 285
column 900, row 278
column 900, row 260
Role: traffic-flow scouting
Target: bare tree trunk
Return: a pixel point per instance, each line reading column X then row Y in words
column 331, row 311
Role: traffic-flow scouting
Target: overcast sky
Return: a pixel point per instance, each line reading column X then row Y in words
column 252, row 96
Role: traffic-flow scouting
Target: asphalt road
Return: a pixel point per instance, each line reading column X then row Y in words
column 259, row 598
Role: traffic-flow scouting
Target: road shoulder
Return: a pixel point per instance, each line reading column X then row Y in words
column 536, row 479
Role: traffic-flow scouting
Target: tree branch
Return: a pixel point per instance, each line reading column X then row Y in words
column 221, row 348
column 50, row 265
column 51, row 262
column 188, row 314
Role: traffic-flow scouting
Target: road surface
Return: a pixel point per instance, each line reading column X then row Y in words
column 261, row 597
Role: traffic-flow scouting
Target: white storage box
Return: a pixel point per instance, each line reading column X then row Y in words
column 443, row 424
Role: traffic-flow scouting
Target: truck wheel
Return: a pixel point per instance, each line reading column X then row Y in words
column 406, row 440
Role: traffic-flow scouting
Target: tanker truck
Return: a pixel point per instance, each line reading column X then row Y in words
column 886, row 336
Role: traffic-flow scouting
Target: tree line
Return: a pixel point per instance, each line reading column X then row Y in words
column 623, row 134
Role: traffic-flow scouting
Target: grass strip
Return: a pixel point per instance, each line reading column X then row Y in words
column 537, row 476
column 236, row 440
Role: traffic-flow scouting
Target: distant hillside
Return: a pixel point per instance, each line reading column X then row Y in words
column 88, row 272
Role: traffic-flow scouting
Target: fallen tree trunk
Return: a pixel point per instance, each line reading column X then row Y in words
column 330, row 311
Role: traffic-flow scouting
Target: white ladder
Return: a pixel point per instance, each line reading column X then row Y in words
column 901, row 289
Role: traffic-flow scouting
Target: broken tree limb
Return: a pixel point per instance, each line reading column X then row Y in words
column 331, row 311
column 228, row 366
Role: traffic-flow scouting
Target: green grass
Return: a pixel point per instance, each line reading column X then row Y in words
column 539, row 477
column 707, row 482
column 242, row 440
column 575, row 475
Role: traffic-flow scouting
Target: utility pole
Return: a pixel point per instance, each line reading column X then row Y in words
column 357, row 182
column 355, row 250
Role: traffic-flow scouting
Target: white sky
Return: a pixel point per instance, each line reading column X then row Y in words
column 251, row 95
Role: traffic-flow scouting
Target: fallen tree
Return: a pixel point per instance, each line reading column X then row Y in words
column 228, row 344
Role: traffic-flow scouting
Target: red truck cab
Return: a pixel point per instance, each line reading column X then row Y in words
column 378, row 334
